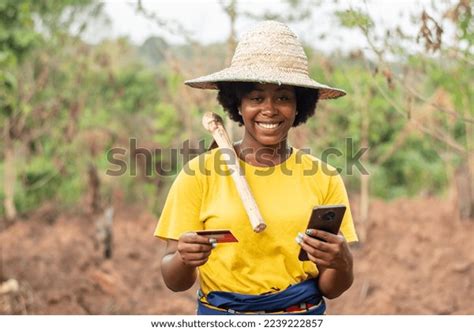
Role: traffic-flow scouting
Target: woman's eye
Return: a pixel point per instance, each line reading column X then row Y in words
column 258, row 99
column 285, row 98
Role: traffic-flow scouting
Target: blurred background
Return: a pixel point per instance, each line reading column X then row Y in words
column 88, row 87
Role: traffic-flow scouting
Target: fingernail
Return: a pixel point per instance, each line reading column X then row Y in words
column 299, row 240
column 309, row 232
column 212, row 240
column 300, row 236
column 213, row 245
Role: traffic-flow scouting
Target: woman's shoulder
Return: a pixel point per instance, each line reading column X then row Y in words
column 314, row 165
column 202, row 161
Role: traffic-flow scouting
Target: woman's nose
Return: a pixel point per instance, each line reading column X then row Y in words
column 268, row 107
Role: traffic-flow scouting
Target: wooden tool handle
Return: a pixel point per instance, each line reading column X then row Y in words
column 214, row 124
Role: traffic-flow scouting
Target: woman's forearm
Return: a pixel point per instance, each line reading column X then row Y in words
column 177, row 275
column 333, row 282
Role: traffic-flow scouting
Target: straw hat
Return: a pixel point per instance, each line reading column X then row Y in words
column 269, row 53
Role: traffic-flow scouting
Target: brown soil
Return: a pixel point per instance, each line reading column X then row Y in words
column 411, row 263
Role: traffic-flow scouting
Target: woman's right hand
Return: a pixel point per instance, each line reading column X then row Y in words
column 193, row 249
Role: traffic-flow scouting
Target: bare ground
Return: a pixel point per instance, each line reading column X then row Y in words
column 411, row 263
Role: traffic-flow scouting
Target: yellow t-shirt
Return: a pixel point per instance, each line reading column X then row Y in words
column 204, row 197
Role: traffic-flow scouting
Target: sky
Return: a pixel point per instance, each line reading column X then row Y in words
column 208, row 23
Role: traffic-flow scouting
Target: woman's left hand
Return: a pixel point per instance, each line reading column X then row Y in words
column 332, row 253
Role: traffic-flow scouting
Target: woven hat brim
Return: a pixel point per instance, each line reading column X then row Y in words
column 264, row 75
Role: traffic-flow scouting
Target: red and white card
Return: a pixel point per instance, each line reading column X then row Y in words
column 221, row 236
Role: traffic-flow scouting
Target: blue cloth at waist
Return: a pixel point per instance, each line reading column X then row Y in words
column 304, row 292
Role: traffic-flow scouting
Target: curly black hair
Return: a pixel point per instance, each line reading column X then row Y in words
column 231, row 93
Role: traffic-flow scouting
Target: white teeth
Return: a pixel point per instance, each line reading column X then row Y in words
column 268, row 126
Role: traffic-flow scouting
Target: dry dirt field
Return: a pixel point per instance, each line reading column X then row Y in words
column 411, row 263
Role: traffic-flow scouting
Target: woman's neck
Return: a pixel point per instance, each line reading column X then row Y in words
column 254, row 153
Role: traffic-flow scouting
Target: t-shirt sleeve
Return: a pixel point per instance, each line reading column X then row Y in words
column 337, row 195
column 182, row 207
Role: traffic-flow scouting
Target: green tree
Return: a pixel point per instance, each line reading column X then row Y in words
column 429, row 92
column 25, row 70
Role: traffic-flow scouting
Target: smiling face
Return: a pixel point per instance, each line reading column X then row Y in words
column 268, row 112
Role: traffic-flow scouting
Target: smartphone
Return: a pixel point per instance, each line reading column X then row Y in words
column 326, row 218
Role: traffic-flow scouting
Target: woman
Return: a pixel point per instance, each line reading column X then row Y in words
column 267, row 89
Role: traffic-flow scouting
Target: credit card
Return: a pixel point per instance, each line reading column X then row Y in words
column 221, row 236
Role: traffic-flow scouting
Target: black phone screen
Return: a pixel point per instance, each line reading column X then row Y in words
column 326, row 218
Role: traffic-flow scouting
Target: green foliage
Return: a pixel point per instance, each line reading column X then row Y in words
column 17, row 38
column 415, row 166
column 39, row 181
column 17, row 35
column 414, row 170
column 166, row 124
column 354, row 18
column 465, row 22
